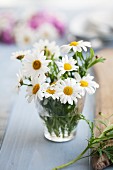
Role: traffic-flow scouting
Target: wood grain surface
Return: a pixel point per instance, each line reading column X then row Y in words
column 8, row 70
column 104, row 75
column 104, row 100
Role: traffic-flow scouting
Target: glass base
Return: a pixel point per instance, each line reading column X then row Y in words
column 54, row 138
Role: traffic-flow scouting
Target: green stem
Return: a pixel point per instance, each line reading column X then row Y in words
column 73, row 161
column 77, row 61
column 27, row 84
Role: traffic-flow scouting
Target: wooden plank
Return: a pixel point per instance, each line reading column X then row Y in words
column 104, row 99
column 104, row 75
column 8, row 69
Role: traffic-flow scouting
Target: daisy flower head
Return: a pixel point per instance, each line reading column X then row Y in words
column 20, row 78
column 20, row 54
column 67, row 64
column 50, row 48
column 35, row 65
column 75, row 46
column 36, row 90
column 47, row 31
column 51, row 91
column 24, row 36
column 86, row 84
column 68, row 91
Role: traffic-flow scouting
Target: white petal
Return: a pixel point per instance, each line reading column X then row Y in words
column 70, row 101
column 79, row 49
column 90, row 90
column 77, row 77
column 65, row 48
column 84, row 48
column 87, row 44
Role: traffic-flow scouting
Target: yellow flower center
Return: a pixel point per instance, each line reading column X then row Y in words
column 83, row 83
column 68, row 90
column 26, row 39
column 46, row 34
column 20, row 57
column 53, row 83
column 37, row 64
column 50, row 91
column 21, row 82
column 73, row 43
column 35, row 88
column 67, row 66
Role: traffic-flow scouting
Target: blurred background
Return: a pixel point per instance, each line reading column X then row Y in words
column 23, row 22
column 56, row 20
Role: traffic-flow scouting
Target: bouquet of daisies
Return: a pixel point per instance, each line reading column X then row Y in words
column 57, row 77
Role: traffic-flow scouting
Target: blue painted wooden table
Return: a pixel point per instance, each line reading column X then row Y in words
column 24, row 146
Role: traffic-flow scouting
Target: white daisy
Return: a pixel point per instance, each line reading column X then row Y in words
column 35, row 65
column 7, row 20
column 24, row 36
column 20, row 54
column 86, row 84
column 50, row 48
column 51, row 91
column 36, row 90
column 76, row 46
column 47, row 31
column 68, row 90
column 20, row 78
column 67, row 64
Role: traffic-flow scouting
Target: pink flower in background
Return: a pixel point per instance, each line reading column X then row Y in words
column 7, row 23
column 40, row 18
column 24, row 31
column 59, row 25
column 7, row 36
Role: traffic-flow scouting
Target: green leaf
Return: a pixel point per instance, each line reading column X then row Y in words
column 109, row 152
column 98, row 60
column 103, row 123
column 92, row 54
column 80, row 55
